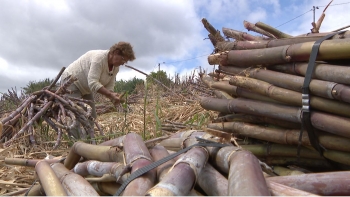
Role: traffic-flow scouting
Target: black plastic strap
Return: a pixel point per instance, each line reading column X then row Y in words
column 306, row 114
column 143, row 170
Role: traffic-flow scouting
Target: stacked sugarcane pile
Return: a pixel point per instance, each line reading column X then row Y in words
column 202, row 170
column 259, row 83
column 50, row 105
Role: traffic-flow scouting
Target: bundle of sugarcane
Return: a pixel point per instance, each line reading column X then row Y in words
column 218, row 168
column 51, row 105
column 263, row 80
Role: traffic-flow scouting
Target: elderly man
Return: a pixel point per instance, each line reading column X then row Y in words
column 96, row 71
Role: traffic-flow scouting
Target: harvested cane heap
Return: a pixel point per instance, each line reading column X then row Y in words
column 253, row 145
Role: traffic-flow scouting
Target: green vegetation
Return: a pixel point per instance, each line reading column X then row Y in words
column 33, row 86
column 160, row 76
column 127, row 86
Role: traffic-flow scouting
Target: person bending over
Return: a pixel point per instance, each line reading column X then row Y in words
column 96, row 71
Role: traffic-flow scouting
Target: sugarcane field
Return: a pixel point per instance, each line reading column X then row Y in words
column 271, row 118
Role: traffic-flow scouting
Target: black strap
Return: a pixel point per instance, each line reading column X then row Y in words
column 305, row 111
column 143, row 170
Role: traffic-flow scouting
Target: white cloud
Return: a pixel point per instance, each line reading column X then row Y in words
column 257, row 15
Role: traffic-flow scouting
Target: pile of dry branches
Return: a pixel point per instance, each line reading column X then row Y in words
column 53, row 107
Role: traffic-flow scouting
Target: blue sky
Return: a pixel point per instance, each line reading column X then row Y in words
column 39, row 37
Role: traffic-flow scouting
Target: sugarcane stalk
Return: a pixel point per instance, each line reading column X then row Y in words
column 326, row 122
column 282, row 136
column 153, row 142
column 266, row 150
column 74, row 184
column 316, row 27
column 320, row 88
column 261, row 44
column 278, row 189
column 63, row 88
column 36, row 190
column 26, row 162
column 234, row 90
column 59, row 132
column 53, row 126
column 244, row 174
column 74, row 123
column 80, row 110
column 212, row 182
column 49, row 180
column 30, row 129
column 327, row 183
column 29, row 123
column 92, row 152
column 329, row 50
column 104, row 188
column 223, row 95
column 138, row 156
column 254, row 120
column 212, row 39
column 338, row 156
column 188, row 133
column 271, row 30
column 9, row 126
column 159, row 152
column 238, row 35
column 223, row 136
column 174, row 126
column 24, row 104
column 282, row 171
column 100, row 169
column 215, row 33
column 290, row 97
column 251, row 27
column 322, row 71
column 229, row 160
column 315, row 164
column 180, row 180
column 78, row 99
column 113, row 142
